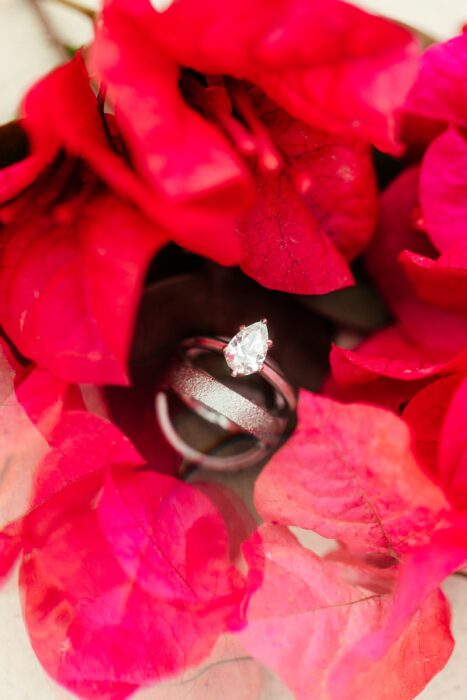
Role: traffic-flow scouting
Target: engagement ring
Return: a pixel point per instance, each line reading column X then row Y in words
column 220, row 403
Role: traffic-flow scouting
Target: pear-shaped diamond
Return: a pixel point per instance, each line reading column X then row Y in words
column 246, row 352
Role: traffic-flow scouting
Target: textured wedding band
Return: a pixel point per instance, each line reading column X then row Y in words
column 196, row 385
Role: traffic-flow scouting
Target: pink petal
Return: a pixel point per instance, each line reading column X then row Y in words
column 50, row 445
column 10, row 548
column 420, row 574
column 24, row 444
column 304, row 634
column 348, row 473
column 81, row 444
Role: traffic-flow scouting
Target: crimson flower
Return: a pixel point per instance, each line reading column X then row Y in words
column 176, row 80
column 418, row 255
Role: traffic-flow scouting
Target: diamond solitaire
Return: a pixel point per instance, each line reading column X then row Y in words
column 246, row 352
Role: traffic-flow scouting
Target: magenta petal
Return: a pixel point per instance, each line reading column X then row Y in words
column 96, row 631
column 443, row 190
column 439, row 331
column 439, row 91
column 169, row 537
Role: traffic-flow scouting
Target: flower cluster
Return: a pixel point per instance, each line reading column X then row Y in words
column 244, row 133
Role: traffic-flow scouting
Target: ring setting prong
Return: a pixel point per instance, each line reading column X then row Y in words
column 246, row 352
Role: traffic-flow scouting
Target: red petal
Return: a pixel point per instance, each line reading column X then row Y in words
column 285, row 246
column 437, row 330
column 326, row 611
column 353, row 73
column 16, row 177
column 348, row 74
column 453, row 449
column 177, row 152
column 389, row 353
column 442, row 282
column 348, row 473
column 62, row 109
column 379, row 391
column 169, row 537
column 425, row 415
column 83, row 263
column 334, row 175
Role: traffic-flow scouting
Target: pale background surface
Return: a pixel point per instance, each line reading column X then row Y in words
column 26, row 54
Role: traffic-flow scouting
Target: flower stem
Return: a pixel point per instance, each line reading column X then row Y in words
column 49, row 29
column 79, row 8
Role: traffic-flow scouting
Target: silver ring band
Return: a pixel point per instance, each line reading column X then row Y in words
column 240, row 461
